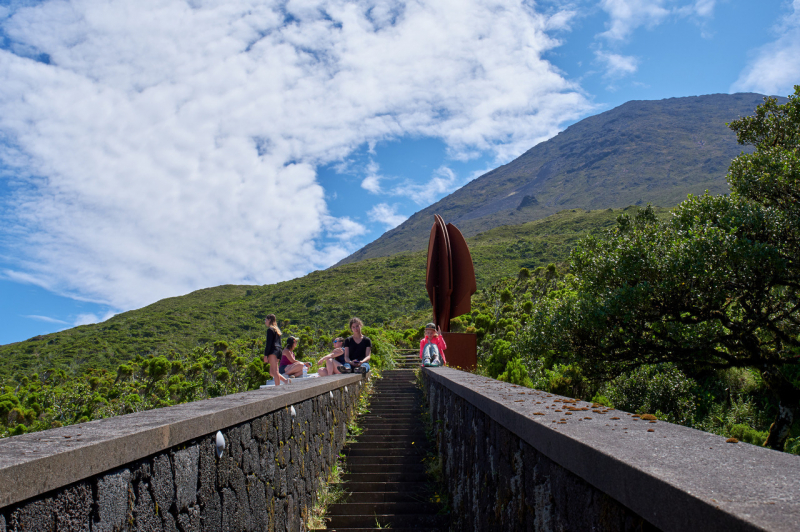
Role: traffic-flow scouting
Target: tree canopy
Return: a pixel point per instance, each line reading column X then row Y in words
column 715, row 286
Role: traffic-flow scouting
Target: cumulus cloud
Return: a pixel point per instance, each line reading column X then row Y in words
column 387, row 215
column 627, row 15
column 443, row 181
column 160, row 146
column 775, row 67
column 616, row 65
column 90, row 318
column 372, row 183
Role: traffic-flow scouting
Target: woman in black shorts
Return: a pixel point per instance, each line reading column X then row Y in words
column 273, row 348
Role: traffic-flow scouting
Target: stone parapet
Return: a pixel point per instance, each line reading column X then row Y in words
column 522, row 459
column 159, row 469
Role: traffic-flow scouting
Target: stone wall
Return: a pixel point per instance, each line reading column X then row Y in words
column 265, row 479
column 520, row 459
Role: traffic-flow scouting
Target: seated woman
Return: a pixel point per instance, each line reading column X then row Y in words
column 333, row 360
column 357, row 349
column 290, row 366
column 432, row 346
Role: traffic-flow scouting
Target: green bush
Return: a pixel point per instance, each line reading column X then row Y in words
column 516, row 373
column 659, row 389
column 792, row 445
column 501, row 354
column 748, row 434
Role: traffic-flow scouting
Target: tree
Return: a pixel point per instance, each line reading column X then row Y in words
column 716, row 286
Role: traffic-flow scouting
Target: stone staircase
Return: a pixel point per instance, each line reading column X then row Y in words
column 408, row 359
column 385, row 481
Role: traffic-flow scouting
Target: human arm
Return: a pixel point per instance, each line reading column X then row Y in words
column 333, row 354
column 367, row 354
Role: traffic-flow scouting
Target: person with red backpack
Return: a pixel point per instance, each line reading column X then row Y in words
column 432, row 346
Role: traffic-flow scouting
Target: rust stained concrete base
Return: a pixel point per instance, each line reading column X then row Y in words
column 462, row 350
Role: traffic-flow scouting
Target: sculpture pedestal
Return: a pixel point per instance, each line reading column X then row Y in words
column 462, row 350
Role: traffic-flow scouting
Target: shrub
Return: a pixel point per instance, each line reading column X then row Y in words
column 747, row 434
column 660, row 389
column 516, row 373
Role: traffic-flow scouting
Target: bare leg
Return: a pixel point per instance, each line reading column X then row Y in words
column 273, row 370
column 295, row 369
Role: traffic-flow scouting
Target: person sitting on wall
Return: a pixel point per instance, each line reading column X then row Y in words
column 290, row 366
column 357, row 349
column 432, row 346
column 334, row 360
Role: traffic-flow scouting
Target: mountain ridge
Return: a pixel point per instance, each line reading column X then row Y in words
column 643, row 151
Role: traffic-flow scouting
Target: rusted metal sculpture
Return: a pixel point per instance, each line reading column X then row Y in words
column 450, row 275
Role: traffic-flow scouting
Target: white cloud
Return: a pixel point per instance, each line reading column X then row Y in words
column 627, row 15
column 775, row 67
column 372, row 183
column 170, row 145
column 443, row 181
column 616, row 65
column 386, row 215
column 90, row 318
column 45, row 319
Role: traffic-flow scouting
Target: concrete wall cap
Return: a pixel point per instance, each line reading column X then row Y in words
column 35, row 463
column 675, row 477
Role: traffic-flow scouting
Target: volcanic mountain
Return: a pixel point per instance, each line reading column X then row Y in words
column 641, row 152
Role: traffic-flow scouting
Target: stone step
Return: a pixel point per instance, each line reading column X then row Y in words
column 384, row 521
column 407, row 476
column 384, row 508
column 380, row 461
column 396, row 439
column 407, row 496
column 355, row 467
column 395, row 529
column 420, row 488
column 384, row 472
column 383, row 452
column 387, row 446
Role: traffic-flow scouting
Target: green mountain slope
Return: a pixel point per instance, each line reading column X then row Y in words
column 377, row 290
column 640, row 152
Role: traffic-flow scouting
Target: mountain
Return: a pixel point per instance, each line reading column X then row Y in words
column 641, row 152
column 378, row 290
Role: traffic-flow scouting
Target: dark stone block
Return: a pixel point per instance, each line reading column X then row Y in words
column 2, row 523
column 211, row 512
column 169, row 522
column 259, row 429
column 162, row 484
column 279, row 521
column 144, row 515
column 258, row 504
column 185, row 463
column 189, row 521
column 113, row 500
column 74, row 507
column 233, row 514
column 39, row 515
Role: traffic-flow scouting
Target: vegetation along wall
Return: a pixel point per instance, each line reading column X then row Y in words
column 161, row 469
column 515, row 458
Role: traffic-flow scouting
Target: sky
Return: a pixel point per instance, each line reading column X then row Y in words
column 152, row 148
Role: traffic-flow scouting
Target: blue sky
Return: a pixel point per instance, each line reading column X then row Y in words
column 153, row 148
